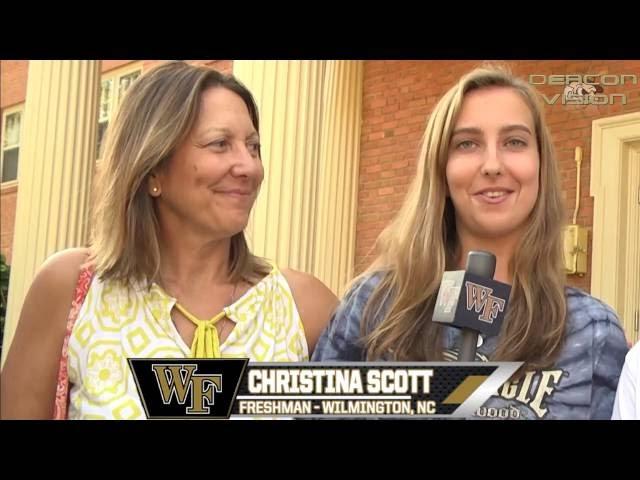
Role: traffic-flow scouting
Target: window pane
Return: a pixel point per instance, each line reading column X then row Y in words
column 106, row 96
column 10, row 164
column 102, row 127
column 125, row 83
column 12, row 130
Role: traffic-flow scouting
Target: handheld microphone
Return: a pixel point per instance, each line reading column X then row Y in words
column 472, row 301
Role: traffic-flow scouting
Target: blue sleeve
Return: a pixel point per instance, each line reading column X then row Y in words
column 342, row 339
column 610, row 349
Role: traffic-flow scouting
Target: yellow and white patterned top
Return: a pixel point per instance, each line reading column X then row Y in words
column 116, row 323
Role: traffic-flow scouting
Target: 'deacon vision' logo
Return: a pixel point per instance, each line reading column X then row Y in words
column 588, row 89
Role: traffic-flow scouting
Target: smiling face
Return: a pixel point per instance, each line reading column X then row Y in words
column 210, row 183
column 493, row 166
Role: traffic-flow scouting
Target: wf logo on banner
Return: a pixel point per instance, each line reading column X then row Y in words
column 185, row 388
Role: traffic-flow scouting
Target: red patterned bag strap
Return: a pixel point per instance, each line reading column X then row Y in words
column 62, row 388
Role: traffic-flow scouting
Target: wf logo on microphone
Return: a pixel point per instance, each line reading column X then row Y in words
column 480, row 298
column 463, row 295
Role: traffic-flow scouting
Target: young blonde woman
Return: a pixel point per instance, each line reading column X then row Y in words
column 487, row 180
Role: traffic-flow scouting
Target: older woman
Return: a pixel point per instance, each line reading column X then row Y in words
column 168, row 272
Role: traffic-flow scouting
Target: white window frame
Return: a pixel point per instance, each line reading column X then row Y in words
column 5, row 113
column 115, row 75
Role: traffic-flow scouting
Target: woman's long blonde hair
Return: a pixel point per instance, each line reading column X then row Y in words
column 421, row 243
column 155, row 116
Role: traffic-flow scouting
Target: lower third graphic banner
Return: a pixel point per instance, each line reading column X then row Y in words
column 220, row 388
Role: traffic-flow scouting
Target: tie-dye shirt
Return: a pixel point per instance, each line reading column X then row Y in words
column 580, row 385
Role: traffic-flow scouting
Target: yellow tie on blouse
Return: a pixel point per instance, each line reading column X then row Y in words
column 206, row 343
